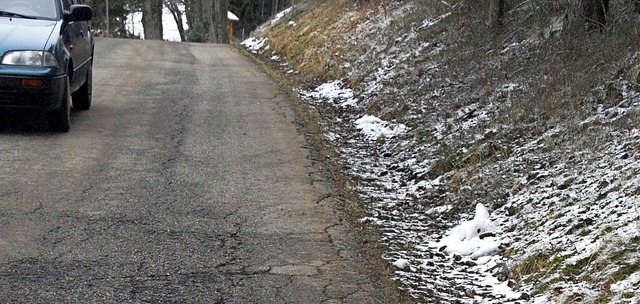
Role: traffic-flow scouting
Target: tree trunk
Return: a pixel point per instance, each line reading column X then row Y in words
column 172, row 5
column 596, row 11
column 195, row 13
column 207, row 20
column 152, row 19
column 496, row 12
column 592, row 11
column 636, row 5
column 220, row 34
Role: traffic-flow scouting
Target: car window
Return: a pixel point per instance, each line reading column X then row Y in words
column 32, row 8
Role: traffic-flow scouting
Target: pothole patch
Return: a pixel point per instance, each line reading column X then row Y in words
column 295, row 270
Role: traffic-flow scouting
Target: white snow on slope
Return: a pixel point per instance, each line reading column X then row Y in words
column 373, row 127
column 565, row 207
column 467, row 239
column 281, row 15
column 255, row 45
column 333, row 91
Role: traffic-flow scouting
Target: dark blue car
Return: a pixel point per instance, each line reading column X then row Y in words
column 46, row 50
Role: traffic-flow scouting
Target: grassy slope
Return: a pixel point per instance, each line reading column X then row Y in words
column 517, row 117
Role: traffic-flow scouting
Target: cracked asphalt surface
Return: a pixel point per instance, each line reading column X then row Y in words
column 186, row 182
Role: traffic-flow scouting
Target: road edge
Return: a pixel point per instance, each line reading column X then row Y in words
column 324, row 160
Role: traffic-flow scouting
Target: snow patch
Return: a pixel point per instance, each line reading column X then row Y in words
column 373, row 127
column 401, row 263
column 254, row 45
column 331, row 92
column 467, row 239
column 280, row 15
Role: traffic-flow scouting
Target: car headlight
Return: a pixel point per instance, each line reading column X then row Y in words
column 30, row 58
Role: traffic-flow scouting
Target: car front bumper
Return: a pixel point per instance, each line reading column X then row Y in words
column 13, row 94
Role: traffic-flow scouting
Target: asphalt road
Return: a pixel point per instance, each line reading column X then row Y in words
column 186, row 182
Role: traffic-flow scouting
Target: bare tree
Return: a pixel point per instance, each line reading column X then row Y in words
column 218, row 32
column 152, row 19
column 496, row 12
column 636, row 5
column 173, row 7
column 592, row 11
column 207, row 20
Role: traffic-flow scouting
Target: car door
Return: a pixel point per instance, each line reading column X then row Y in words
column 78, row 40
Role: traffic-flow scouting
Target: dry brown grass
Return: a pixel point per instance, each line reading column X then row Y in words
column 563, row 77
column 311, row 46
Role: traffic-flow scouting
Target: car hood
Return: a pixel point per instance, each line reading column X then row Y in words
column 24, row 34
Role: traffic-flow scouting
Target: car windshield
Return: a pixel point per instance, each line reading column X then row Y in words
column 45, row 9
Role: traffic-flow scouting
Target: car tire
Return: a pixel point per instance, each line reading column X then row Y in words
column 60, row 119
column 82, row 97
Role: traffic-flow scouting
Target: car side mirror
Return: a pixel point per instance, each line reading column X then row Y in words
column 79, row 12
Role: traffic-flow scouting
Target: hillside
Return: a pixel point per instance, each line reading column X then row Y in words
column 499, row 164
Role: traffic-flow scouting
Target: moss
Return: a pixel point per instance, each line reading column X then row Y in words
column 567, row 183
column 603, row 298
column 355, row 81
column 531, row 265
column 601, row 196
column 584, row 223
column 578, row 268
column 585, row 232
column 625, row 271
column 557, row 261
column 443, row 165
column 607, row 230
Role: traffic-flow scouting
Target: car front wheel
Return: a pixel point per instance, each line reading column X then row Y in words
column 60, row 119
